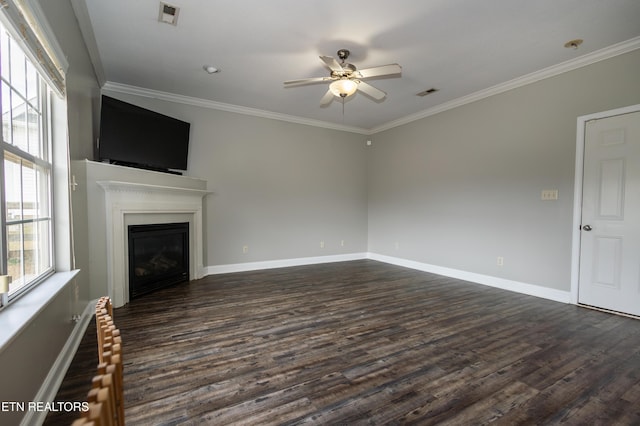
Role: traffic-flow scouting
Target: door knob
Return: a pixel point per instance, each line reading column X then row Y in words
column 587, row 228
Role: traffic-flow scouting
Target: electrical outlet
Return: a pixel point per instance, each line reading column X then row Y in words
column 500, row 261
column 549, row 195
column 245, row 249
column 321, row 244
column 341, row 243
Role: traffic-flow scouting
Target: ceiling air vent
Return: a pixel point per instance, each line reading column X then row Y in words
column 168, row 14
column 427, row 92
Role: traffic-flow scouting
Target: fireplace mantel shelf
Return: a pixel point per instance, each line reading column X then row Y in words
column 119, row 186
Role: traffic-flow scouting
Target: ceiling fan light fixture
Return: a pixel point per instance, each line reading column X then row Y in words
column 343, row 87
column 345, row 79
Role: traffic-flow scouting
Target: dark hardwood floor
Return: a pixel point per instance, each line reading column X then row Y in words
column 365, row 342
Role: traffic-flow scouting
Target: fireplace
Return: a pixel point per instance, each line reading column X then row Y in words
column 158, row 256
column 122, row 204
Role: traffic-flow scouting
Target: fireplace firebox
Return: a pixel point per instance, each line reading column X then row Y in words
column 158, row 256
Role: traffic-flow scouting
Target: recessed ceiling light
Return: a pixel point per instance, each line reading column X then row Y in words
column 210, row 69
column 573, row 44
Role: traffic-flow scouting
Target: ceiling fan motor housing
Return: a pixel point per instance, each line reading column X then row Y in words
column 343, row 54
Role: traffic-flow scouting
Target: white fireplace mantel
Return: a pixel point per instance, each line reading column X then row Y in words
column 140, row 203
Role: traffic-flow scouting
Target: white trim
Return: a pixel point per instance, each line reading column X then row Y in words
column 125, row 201
column 204, row 103
column 552, row 71
column 16, row 316
column 84, row 22
column 577, row 191
column 51, row 384
column 501, row 283
column 282, row 263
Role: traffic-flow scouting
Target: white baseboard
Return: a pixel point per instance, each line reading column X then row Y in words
column 516, row 286
column 282, row 263
column 51, row 384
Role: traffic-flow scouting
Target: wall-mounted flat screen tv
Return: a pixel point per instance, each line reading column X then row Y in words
column 137, row 137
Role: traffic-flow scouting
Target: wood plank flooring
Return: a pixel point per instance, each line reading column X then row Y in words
column 365, row 342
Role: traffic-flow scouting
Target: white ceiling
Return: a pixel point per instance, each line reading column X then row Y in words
column 460, row 47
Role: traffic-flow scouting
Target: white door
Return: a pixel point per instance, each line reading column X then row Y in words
column 610, row 230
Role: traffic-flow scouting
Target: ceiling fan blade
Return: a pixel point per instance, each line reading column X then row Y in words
column 327, row 98
column 379, row 71
column 368, row 89
column 331, row 63
column 307, row 81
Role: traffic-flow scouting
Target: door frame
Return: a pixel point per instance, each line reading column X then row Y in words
column 577, row 191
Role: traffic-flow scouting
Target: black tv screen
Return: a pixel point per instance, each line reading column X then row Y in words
column 135, row 136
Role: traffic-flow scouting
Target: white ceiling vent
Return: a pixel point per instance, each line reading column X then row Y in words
column 168, row 14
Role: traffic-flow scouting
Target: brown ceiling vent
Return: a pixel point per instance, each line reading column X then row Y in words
column 168, row 14
column 427, row 92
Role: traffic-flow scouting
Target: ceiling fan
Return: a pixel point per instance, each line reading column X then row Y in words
column 346, row 79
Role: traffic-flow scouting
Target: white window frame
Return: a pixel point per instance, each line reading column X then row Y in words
column 25, row 20
column 43, row 161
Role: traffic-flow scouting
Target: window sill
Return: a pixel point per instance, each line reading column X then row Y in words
column 18, row 314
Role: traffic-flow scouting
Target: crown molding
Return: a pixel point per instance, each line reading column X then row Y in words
column 570, row 65
column 204, row 103
column 84, row 22
column 563, row 67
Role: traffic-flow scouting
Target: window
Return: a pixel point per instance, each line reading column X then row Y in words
column 26, row 170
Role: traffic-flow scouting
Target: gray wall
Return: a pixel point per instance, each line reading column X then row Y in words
column 460, row 188
column 83, row 100
column 26, row 361
column 279, row 188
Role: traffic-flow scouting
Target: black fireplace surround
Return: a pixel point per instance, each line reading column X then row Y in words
column 158, row 256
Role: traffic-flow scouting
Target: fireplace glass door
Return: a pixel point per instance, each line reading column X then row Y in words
column 158, row 256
